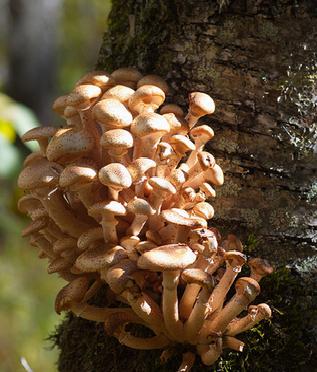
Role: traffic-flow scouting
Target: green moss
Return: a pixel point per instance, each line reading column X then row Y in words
column 286, row 343
column 120, row 44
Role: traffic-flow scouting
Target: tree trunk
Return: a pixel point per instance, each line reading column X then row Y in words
column 32, row 47
column 257, row 59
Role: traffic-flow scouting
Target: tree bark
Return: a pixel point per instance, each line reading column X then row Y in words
column 257, row 59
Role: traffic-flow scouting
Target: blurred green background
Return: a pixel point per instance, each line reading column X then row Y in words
column 45, row 46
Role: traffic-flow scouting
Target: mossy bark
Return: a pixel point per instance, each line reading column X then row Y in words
column 257, row 59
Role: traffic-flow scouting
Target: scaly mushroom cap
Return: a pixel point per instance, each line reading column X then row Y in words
column 83, row 94
column 162, row 185
column 260, row 266
column 235, row 259
column 119, row 92
column 38, row 134
column 112, row 113
column 173, row 109
column 198, row 276
column 140, row 206
column 117, row 139
column 201, row 104
column 181, row 143
column 139, row 167
column 173, row 216
column 167, row 257
column 40, row 173
column 115, row 175
column 248, row 287
column 99, row 258
column 147, row 97
column 76, row 175
column 204, row 210
column 149, row 123
column 68, row 144
column 202, row 131
column 112, row 208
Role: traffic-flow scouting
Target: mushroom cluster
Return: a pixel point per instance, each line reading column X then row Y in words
column 118, row 197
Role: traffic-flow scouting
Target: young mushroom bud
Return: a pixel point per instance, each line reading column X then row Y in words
column 200, row 104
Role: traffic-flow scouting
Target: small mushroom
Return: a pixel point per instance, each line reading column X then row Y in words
column 161, row 188
column 259, row 268
column 200, row 104
column 148, row 128
column 119, row 92
column 153, row 80
column 147, row 98
column 107, row 213
column 142, row 211
column 169, row 259
column 40, row 134
column 117, row 143
column 117, row 177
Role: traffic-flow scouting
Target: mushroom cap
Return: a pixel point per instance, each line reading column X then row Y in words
column 120, row 92
column 177, row 177
column 247, row 287
column 140, row 166
column 127, row 76
column 118, row 275
column 64, row 244
column 38, row 134
column 99, row 78
column 204, row 210
column 28, row 203
column 173, row 109
column 149, row 123
column 260, row 266
column 117, row 139
column 76, row 175
column 198, row 276
column 208, row 190
column 103, row 208
column 35, row 226
column 83, row 93
column 68, row 143
column 206, row 160
column 141, row 207
column 111, row 112
column 161, row 185
column 146, row 95
column 167, row 257
column 202, row 131
column 153, row 80
column 232, row 243
column 177, row 124
column 172, row 216
column 99, row 258
column 235, row 259
column 201, row 104
column 215, row 175
column 265, row 310
column 115, row 175
column 73, row 292
column 40, row 173
column 181, row 143
column 60, row 104
column 89, row 236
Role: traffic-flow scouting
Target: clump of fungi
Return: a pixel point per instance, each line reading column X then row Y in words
column 118, row 197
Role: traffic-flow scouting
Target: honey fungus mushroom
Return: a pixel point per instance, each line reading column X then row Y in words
column 118, row 198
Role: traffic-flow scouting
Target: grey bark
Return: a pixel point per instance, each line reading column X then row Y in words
column 32, row 49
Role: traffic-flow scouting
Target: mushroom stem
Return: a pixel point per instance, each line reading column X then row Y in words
column 140, row 343
column 109, row 224
column 138, row 222
column 188, row 299
column 172, row 322
column 61, row 215
column 187, row 362
column 91, row 312
column 233, row 344
column 197, row 316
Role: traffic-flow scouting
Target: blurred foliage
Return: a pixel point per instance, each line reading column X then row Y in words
column 27, row 293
